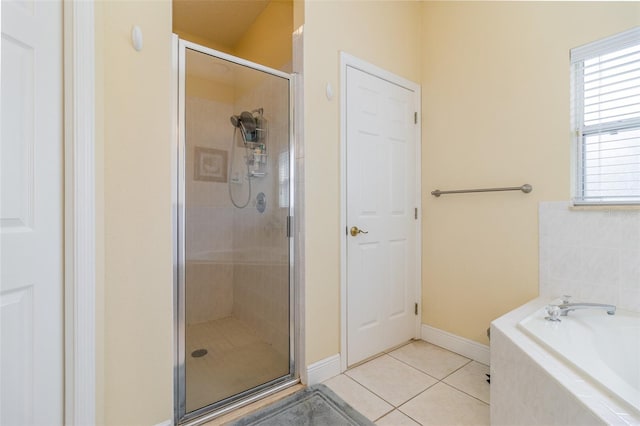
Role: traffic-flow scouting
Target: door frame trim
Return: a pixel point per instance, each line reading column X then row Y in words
column 79, row 213
column 347, row 60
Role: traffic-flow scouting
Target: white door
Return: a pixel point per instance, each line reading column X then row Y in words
column 382, row 264
column 31, row 220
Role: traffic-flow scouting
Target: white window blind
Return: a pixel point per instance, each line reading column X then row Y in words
column 606, row 115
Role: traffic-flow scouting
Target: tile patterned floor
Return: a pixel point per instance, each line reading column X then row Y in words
column 417, row 384
column 237, row 359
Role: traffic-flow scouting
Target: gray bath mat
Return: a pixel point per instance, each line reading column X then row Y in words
column 314, row 406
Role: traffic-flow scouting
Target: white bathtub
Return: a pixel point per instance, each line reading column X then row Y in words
column 582, row 370
column 604, row 347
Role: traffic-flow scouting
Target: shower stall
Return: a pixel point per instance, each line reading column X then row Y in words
column 234, row 269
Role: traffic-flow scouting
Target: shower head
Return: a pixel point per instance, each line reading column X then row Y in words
column 247, row 121
column 247, row 124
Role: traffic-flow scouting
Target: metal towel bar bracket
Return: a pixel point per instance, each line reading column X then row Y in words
column 526, row 188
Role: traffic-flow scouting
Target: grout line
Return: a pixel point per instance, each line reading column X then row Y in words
column 401, row 412
column 412, row 366
column 456, row 388
column 418, row 394
column 458, row 369
column 389, row 402
column 461, row 391
column 424, row 372
column 397, row 407
column 415, row 368
column 388, row 412
column 371, row 391
column 415, row 420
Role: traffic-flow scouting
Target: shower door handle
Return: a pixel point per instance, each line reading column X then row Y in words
column 355, row 231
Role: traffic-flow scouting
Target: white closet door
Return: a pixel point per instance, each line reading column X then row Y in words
column 31, row 220
column 381, row 181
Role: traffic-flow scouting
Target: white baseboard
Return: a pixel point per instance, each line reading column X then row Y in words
column 324, row 369
column 460, row 345
column 165, row 423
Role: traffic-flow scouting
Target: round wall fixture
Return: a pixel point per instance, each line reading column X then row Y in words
column 329, row 91
column 199, row 353
column 136, row 38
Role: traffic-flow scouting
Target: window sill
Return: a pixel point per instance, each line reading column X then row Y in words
column 600, row 207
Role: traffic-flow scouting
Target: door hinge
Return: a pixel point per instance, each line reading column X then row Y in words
column 415, row 311
column 415, row 117
column 288, row 226
column 415, row 213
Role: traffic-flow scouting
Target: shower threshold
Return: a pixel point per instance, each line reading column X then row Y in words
column 235, row 410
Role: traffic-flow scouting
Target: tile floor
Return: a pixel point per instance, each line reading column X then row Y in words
column 237, row 359
column 417, row 384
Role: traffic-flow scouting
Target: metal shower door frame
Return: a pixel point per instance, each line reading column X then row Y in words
column 178, row 206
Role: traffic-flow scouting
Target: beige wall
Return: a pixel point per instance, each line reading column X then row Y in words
column 383, row 33
column 495, row 85
column 134, row 129
column 268, row 40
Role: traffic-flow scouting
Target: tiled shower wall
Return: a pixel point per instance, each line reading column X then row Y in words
column 209, row 294
column 261, row 282
column 237, row 259
column 209, row 216
column 261, row 301
column 592, row 254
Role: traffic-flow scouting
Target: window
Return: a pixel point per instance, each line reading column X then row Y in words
column 283, row 179
column 606, row 116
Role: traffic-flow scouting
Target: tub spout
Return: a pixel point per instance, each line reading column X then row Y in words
column 556, row 311
column 565, row 308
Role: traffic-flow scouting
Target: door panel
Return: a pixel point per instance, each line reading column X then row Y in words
column 31, row 218
column 381, row 176
column 398, row 179
column 398, row 274
column 17, row 134
column 17, row 355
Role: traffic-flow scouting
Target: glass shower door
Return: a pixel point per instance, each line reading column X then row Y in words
column 234, row 251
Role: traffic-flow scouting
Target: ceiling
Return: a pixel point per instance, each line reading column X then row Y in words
column 221, row 21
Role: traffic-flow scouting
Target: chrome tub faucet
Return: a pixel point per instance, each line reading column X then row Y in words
column 556, row 311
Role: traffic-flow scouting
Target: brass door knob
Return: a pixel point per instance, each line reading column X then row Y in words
column 355, row 231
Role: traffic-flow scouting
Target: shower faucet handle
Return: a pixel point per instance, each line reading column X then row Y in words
column 565, row 299
column 553, row 312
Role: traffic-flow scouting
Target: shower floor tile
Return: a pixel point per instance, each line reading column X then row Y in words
column 237, row 359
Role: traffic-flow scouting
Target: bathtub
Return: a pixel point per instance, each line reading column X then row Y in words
column 582, row 370
column 604, row 347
